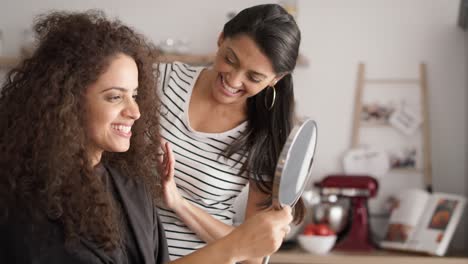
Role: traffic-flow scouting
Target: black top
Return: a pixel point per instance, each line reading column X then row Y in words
column 144, row 239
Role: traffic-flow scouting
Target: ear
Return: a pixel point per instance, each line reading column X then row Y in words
column 220, row 39
column 277, row 79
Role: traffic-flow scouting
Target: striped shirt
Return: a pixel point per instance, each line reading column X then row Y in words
column 203, row 176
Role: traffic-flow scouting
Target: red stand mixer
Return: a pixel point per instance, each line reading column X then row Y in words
column 358, row 188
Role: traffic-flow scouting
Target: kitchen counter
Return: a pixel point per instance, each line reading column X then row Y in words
column 299, row 256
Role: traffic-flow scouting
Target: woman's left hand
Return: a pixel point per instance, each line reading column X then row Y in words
column 171, row 196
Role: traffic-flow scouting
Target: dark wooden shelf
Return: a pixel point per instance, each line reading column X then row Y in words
column 205, row 59
column 8, row 62
column 195, row 59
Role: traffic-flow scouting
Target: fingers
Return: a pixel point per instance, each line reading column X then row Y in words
column 160, row 154
column 285, row 218
column 166, row 158
column 286, row 230
column 284, row 208
column 284, row 215
column 169, row 160
column 278, row 220
column 287, row 209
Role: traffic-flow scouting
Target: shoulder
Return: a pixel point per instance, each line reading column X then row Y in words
column 123, row 180
column 130, row 190
column 177, row 70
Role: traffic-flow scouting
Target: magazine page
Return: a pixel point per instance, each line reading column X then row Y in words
column 438, row 223
column 405, row 218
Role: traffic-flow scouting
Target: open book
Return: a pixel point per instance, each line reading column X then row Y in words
column 423, row 222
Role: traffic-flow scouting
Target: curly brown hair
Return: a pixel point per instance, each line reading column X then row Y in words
column 43, row 163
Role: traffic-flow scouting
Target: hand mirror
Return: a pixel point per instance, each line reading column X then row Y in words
column 293, row 168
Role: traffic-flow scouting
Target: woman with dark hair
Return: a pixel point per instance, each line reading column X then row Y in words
column 79, row 172
column 227, row 125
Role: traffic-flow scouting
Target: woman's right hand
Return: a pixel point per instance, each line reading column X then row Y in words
column 171, row 196
column 259, row 236
column 262, row 234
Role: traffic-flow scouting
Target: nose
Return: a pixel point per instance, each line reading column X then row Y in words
column 132, row 110
column 234, row 78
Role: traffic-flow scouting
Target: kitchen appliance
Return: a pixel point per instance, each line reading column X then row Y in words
column 357, row 188
column 332, row 211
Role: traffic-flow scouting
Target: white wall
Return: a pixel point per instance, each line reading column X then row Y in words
column 466, row 147
column 391, row 37
column 198, row 21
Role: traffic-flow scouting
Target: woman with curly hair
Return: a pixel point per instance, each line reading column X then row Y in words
column 79, row 167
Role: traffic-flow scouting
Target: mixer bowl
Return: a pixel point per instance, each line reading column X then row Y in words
column 331, row 211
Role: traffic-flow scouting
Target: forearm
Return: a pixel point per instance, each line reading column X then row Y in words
column 258, row 236
column 207, row 227
column 222, row 252
column 255, row 197
column 203, row 224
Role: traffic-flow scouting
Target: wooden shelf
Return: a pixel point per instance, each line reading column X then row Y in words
column 205, row 59
column 299, row 256
column 195, row 59
column 8, row 62
column 406, row 170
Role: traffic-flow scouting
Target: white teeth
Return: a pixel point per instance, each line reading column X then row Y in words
column 122, row 128
column 227, row 87
column 232, row 90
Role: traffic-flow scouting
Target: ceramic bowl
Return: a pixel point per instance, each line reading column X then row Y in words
column 317, row 244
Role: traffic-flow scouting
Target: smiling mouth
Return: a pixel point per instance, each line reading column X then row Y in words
column 123, row 129
column 229, row 88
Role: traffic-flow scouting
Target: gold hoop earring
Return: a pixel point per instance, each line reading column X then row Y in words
column 273, row 99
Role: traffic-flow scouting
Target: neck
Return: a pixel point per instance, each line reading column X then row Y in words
column 95, row 158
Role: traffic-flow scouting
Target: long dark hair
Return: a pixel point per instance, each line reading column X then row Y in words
column 277, row 35
column 44, row 166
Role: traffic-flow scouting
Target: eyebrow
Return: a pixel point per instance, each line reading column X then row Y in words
column 253, row 72
column 118, row 88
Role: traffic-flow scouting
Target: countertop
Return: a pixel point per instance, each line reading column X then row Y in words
column 298, row 256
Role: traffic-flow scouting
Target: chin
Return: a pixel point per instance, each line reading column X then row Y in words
column 120, row 148
column 124, row 149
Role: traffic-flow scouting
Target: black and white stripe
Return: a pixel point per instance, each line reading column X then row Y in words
column 203, row 176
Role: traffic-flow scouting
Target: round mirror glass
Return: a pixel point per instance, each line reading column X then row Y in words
column 293, row 169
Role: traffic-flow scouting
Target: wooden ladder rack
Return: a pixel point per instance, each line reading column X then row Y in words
column 362, row 81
